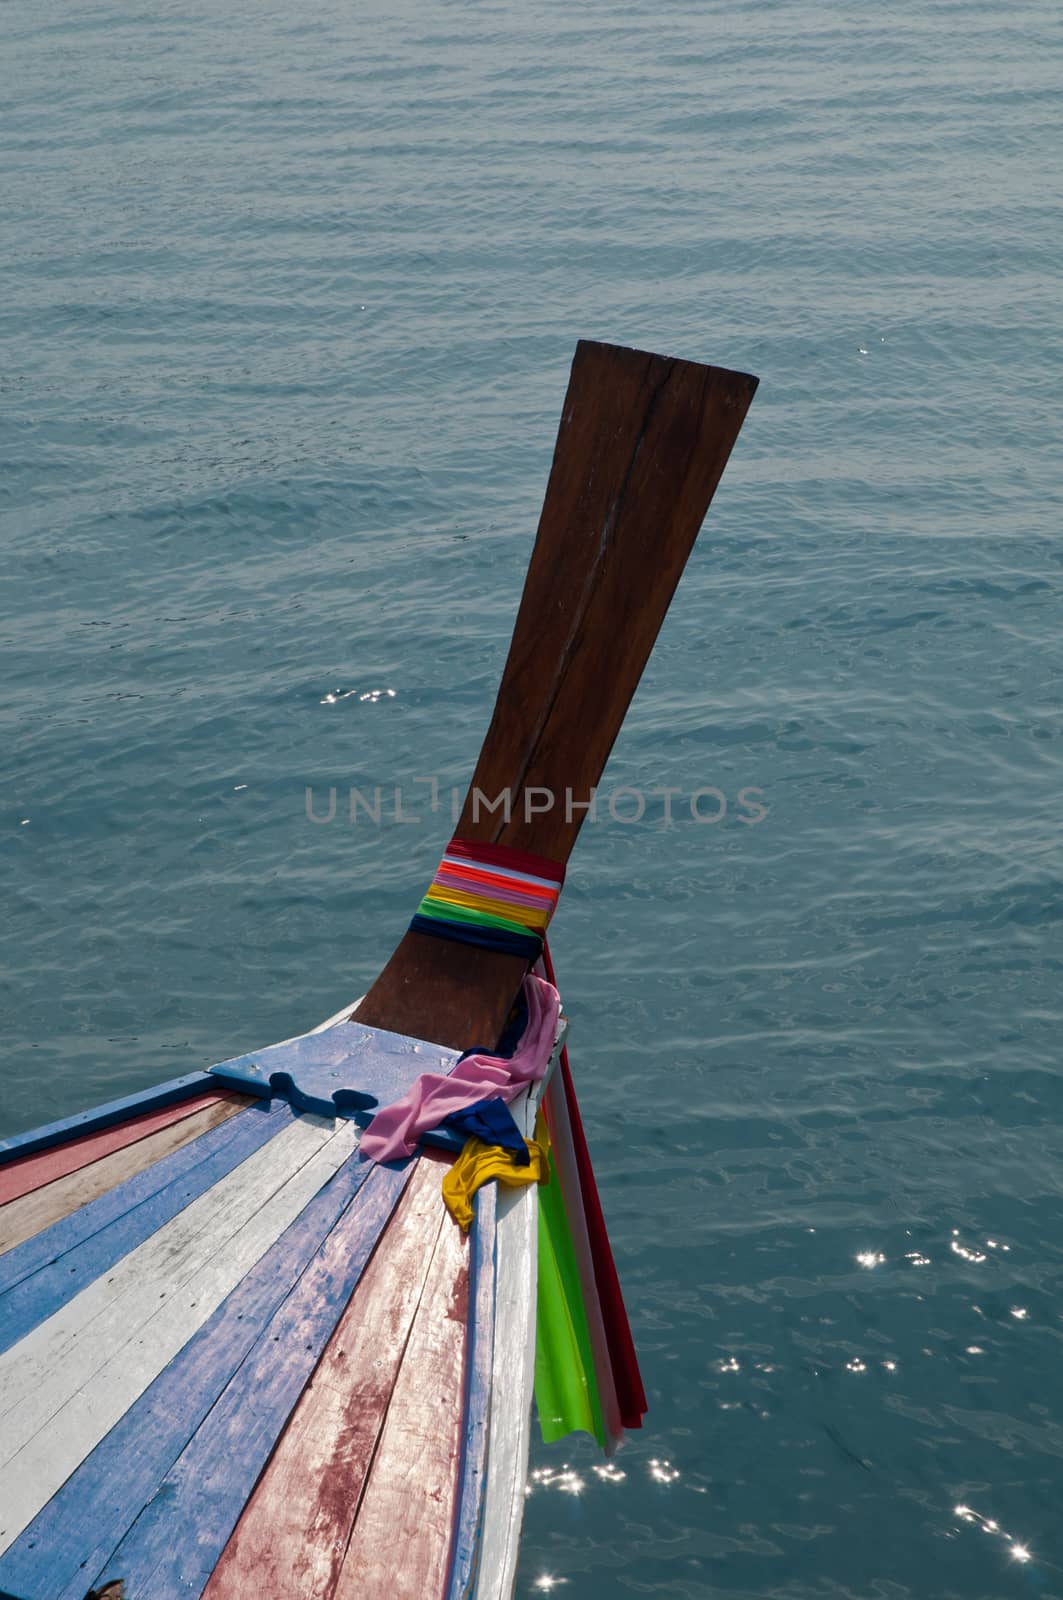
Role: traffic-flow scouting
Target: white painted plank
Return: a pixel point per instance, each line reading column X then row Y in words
column 109, row 1305
column 512, row 1369
column 31, row 1213
column 512, row 1382
column 66, row 1385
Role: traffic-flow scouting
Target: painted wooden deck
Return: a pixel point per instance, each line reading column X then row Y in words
column 238, row 1358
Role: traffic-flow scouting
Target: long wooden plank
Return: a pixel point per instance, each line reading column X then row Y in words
column 512, row 1383
column 512, row 1376
column 210, row 1483
column 70, row 1380
column 88, row 1324
column 66, row 1128
column 28, row 1216
column 400, row 1545
column 67, row 1232
column 23, row 1219
column 89, row 1251
column 295, row 1530
column 479, row 1351
column 641, row 447
column 86, row 1520
column 25, row 1173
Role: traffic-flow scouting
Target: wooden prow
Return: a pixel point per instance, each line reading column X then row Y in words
column 641, row 446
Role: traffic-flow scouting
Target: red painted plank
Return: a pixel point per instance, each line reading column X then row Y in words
column 291, row 1538
column 31, row 1213
column 25, row 1173
column 400, row 1546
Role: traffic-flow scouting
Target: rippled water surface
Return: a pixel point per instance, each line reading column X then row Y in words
column 288, row 300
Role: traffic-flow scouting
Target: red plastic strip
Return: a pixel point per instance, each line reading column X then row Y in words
column 502, row 855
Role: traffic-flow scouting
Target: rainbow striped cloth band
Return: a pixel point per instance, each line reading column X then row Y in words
column 492, row 896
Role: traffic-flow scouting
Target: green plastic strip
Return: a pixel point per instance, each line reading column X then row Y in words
column 480, row 919
column 566, row 1393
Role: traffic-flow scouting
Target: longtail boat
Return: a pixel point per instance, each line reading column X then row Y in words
column 272, row 1329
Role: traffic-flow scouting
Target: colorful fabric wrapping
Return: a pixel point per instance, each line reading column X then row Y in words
column 491, row 896
column 481, row 1163
column 396, row 1131
column 586, row 1373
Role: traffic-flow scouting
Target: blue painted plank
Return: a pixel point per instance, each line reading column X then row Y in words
column 479, row 1358
column 26, row 1258
column 210, row 1484
column 105, row 1116
column 75, row 1255
column 349, row 1070
column 77, row 1533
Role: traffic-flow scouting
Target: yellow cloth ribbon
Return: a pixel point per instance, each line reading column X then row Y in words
column 481, row 1163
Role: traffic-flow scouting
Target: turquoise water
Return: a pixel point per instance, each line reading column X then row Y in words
column 289, row 296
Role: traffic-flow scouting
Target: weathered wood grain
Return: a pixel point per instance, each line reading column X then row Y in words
column 295, row 1530
column 642, row 444
column 28, row 1216
column 346, row 1069
column 29, row 1256
column 89, row 1516
column 82, row 1249
column 400, row 1545
column 24, row 1173
column 174, row 1545
column 104, row 1116
column 512, row 1385
column 512, row 1374
column 71, row 1379
column 476, row 1406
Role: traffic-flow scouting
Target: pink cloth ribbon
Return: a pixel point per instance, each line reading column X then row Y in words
column 397, row 1130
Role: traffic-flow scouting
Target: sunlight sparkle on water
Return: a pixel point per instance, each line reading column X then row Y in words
column 372, row 695
column 1017, row 1552
column 965, row 1251
column 568, row 1481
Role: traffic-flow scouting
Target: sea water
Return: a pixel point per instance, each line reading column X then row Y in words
column 289, row 295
